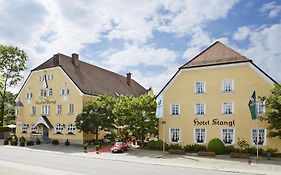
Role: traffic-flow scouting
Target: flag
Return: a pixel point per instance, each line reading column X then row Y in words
column 253, row 106
column 159, row 108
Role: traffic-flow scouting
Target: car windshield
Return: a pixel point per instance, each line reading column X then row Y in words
column 119, row 143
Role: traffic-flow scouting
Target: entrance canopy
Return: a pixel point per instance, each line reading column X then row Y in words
column 45, row 121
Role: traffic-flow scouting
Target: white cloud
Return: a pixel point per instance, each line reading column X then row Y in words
column 44, row 28
column 186, row 15
column 135, row 56
column 242, row 33
column 271, row 9
column 265, row 50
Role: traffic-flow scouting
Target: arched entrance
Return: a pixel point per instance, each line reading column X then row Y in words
column 43, row 124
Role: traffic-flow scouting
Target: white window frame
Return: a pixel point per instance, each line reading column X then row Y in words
column 45, row 110
column 29, row 95
column 260, row 107
column 65, row 92
column 228, row 134
column 203, row 136
column 33, row 110
column 17, row 112
column 202, row 83
column 226, row 104
column 198, row 106
column 59, row 109
column 175, row 110
column 178, row 134
column 42, row 93
column 71, row 108
column 225, row 84
column 50, row 92
column 264, row 136
column 24, row 128
column 59, row 128
column 33, row 128
column 71, row 128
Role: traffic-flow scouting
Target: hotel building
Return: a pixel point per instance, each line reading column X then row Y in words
column 208, row 98
column 57, row 90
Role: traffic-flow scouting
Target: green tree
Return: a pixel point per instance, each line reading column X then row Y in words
column 9, row 112
column 137, row 114
column 273, row 112
column 12, row 63
column 96, row 115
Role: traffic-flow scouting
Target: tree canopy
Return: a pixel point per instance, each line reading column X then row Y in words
column 96, row 115
column 12, row 64
column 273, row 112
column 137, row 115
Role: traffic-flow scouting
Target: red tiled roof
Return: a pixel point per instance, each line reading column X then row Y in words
column 217, row 53
column 93, row 80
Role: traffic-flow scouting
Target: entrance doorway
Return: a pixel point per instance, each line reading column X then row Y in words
column 45, row 133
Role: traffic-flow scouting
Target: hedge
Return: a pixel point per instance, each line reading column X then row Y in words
column 4, row 129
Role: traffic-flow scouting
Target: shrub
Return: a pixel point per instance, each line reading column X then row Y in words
column 6, row 142
column 29, row 143
column 195, row 148
column 55, row 142
column 4, row 129
column 174, row 146
column 66, row 143
column 38, row 142
column 242, row 144
column 253, row 151
column 14, row 141
column 97, row 147
column 22, row 139
column 22, row 142
column 155, row 145
column 217, row 146
column 230, row 149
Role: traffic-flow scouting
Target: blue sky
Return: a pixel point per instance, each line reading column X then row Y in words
column 149, row 38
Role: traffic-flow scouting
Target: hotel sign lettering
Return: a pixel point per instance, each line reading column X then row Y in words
column 45, row 102
column 215, row 121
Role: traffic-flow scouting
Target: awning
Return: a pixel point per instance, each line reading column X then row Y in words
column 11, row 126
column 45, row 121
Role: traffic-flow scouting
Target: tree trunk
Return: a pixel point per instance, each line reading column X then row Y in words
column 97, row 134
column 2, row 108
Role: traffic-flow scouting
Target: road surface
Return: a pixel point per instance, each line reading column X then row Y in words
column 26, row 161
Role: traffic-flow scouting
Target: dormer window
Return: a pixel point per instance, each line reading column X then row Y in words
column 29, row 95
column 65, row 92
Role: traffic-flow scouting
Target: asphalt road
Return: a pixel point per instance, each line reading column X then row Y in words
column 22, row 161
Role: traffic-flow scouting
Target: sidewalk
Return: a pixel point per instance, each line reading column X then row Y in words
column 223, row 163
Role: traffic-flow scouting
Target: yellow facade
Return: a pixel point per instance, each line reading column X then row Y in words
column 245, row 79
column 57, row 80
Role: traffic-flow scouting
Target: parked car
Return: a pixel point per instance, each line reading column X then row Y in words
column 119, row 147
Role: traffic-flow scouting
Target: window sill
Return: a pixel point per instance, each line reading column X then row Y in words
column 199, row 115
column 227, row 92
column 200, row 143
column 70, row 134
column 171, row 115
column 231, row 115
column 199, row 93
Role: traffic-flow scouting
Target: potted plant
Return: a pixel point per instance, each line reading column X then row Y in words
column 6, row 142
column 22, row 141
column 38, row 142
column 97, row 149
column 85, row 147
column 66, row 143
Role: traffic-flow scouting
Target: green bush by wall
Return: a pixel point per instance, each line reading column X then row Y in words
column 217, row 146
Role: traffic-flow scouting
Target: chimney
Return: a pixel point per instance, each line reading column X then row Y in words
column 56, row 59
column 75, row 58
column 129, row 78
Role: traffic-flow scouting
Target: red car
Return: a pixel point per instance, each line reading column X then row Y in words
column 119, row 147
